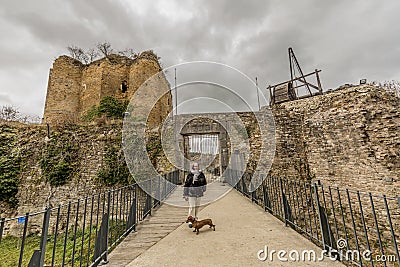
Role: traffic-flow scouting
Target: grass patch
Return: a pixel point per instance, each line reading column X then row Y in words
column 10, row 247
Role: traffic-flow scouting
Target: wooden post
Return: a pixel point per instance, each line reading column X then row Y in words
column 271, row 100
column 318, row 81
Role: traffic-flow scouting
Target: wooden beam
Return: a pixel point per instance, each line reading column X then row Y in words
column 309, row 84
column 292, row 80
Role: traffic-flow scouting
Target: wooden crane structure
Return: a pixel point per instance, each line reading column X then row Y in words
column 289, row 90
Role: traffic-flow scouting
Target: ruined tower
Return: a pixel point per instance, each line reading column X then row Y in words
column 74, row 88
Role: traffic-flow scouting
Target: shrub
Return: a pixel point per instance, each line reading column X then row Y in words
column 10, row 166
column 115, row 170
column 59, row 160
column 91, row 114
column 60, row 173
column 109, row 106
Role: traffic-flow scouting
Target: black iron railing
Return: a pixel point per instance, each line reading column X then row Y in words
column 82, row 232
column 357, row 228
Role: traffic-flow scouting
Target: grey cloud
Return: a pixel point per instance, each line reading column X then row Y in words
column 5, row 100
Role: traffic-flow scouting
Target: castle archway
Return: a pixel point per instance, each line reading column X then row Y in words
column 206, row 142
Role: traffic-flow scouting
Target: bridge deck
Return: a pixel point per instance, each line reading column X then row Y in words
column 242, row 229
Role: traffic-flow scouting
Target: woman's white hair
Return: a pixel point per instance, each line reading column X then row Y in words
column 192, row 166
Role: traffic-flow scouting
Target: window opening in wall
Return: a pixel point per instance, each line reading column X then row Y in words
column 124, row 86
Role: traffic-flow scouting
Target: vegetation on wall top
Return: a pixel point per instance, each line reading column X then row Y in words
column 105, row 50
column 109, row 106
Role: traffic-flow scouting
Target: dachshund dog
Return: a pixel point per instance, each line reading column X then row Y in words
column 198, row 224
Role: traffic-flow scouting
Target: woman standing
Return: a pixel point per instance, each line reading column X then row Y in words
column 194, row 187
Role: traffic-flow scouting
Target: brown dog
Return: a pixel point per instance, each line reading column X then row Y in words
column 198, row 224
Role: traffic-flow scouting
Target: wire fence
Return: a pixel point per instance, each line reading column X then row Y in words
column 357, row 228
column 82, row 232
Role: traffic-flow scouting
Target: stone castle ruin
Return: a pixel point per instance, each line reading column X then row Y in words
column 349, row 132
column 74, row 88
column 346, row 138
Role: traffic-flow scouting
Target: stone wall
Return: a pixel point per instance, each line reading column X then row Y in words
column 348, row 138
column 35, row 193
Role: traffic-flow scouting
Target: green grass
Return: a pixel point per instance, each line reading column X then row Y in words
column 10, row 246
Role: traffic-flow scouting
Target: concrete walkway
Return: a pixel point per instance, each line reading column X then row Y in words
column 242, row 229
column 163, row 221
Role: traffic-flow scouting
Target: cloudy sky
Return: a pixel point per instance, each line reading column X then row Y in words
column 348, row 40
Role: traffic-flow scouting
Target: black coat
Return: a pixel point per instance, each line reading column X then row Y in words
column 195, row 189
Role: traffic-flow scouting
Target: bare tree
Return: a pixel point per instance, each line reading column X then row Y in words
column 392, row 86
column 105, row 48
column 92, row 54
column 30, row 119
column 9, row 113
column 83, row 57
column 129, row 52
column 73, row 51
column 78, row 54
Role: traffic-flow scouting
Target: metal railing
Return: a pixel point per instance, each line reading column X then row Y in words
column 84, row 231
column 360, row 229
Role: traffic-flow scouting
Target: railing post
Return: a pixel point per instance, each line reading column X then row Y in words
column 283, row 201
column 391, row 230
column 37, row 258
column 132, row 215
column 254, row 194
column 106, row 229
column 164, row 195
column 252, row 191
column 267, row 202
column 150, row 198
column 43, row 239
column 2, row 227
column 243, row 186
column 236, row 175
column 157, row 193
column 134, row 209
column 264, row 196
column 319, row 215
column 21, row 253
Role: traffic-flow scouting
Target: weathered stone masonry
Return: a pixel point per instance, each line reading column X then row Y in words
column 74, row 88
column 348, row 138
